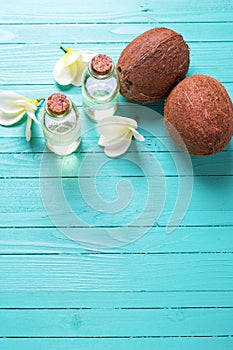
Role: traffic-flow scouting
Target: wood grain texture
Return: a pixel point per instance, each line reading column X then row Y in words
column 209, row 203
column 206, row 58
column 113, row 299
column 130, row 343
column 112, row 272
column 117, row 322
column 164, row 291
column 51, row 33
column 120, row 11
column 27, row 240
column 28, row 164
column 158, row 144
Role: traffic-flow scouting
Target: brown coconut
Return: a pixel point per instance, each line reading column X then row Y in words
column 152, row 64
column 198, row 114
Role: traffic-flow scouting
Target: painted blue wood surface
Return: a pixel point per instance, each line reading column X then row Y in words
column 164, row 291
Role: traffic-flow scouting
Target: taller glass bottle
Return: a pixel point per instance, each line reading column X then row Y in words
column 61, row 124
column 100, row 88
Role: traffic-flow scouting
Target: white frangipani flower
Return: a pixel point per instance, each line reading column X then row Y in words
column 13, row 107
column 116, row 134
column 69, row 68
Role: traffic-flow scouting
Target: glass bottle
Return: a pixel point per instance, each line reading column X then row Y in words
column 100, row 88
column 61, row 124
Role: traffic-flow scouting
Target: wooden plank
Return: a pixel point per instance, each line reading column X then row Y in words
column 120, row 11
column 143, row 113
column 117, row 322
column 206, row 58
column 28, row 164
column 159, row 144
column 110, row 300
column 111, row 272
column 201, row 343
column 211, row 198
column 37, row 145
column 78, row 33
column 28, row 240
column 88, row 127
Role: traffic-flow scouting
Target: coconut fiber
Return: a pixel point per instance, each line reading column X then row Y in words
column 152, row 64
column 198, row 114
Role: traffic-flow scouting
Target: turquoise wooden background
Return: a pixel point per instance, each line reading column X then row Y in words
column 161, row 292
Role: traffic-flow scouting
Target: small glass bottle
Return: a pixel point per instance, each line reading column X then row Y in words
column 61, row 124
column 100, row 88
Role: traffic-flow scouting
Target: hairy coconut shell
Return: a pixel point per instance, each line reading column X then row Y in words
column 152, row 64
column 199, row 111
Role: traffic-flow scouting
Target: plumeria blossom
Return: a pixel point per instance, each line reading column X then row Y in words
column 69, row 68
column 116, row 134
column 13, row 107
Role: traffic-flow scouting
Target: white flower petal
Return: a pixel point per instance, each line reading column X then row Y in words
column 7, row 119
column 63, row 74
column 113, row 126
column 86, row 56
column 71, row 56
column 32, row 116
column 28, row 129
column 126, row 121
column 111, row 130
column 116, row 134
column 69, row 68
column 137, row 135
column 77, row 79
column 116, row 149
column 27, row 105
column 103, row 140
column 8, row 102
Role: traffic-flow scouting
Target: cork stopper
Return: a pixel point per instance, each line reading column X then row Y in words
column 58, row 103
column 101, row 64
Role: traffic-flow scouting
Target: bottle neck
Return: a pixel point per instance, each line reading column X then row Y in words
column 54, row 115
column 100, row 76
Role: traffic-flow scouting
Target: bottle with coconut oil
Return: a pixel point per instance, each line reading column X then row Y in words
column 100, row 88
column 61, row 124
